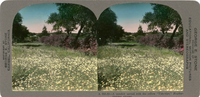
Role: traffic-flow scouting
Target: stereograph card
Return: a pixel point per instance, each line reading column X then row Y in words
column 99, row 48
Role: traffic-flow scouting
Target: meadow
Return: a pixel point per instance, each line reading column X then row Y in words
column 139, row 68
column 39, row 67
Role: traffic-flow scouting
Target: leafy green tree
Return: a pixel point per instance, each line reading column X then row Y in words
column 118, row 33
column 164, row 18
column 59, row 22
column 44, row 32
column 19, row 31
column 140, row 31
column 107, row 27
column 70, row 16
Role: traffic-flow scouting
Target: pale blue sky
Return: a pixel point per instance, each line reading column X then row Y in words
column 34, row 16
column 128, row 15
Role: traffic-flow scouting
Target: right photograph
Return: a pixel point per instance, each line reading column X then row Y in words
column 140, row 48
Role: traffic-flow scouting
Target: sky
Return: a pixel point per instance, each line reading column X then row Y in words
column 35, row 16
column 128, row 16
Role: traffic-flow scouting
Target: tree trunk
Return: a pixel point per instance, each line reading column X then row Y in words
column 163, row 34
column 76, row 39
column 172, row 36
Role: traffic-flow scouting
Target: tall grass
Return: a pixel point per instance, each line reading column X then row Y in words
column 49, row 68
column 139, row 69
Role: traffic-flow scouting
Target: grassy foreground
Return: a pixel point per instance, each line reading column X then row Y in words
column 140, row 68
column 47, row 68
column 37, row 67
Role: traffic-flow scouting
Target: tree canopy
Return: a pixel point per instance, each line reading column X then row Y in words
column 19, row 31
column 44, row 32
column 163, row 17
column 107, row 27
column 72, row 16
column 140, row 31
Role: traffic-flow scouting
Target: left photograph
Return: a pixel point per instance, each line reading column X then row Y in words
column 54, row 48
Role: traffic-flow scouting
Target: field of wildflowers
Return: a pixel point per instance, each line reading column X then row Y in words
column 139, row 69
column 48, row 68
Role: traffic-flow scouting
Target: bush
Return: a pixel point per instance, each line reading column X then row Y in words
column 88, row 44
column 54, row 40
column 154, row 40
column 137, row 39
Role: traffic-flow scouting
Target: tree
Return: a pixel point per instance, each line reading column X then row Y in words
column 71, row 15
column 44, row 32
column 164, row 18
column 140, row 31
column 118, row 33
column 59, row 22
column 19, row 31
column 107, row 27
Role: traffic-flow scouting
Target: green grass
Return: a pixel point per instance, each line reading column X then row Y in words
column 130, row 42
column 48, row 68
column 138, row 68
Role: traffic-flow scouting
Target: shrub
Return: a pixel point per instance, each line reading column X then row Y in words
column 88, row 44
column 154, row 40
column 137, row 39
column 54, row 40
